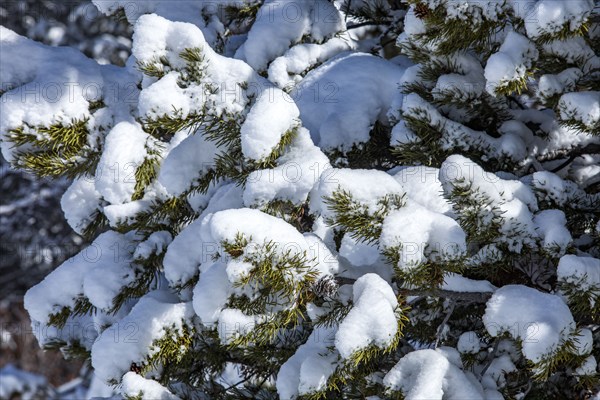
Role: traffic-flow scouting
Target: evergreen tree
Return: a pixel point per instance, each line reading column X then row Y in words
column 273, row 217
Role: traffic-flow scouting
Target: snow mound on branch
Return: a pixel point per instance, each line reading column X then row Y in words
column 468, row 343
column 150, row 319
column 292, row 178
column 80, row 202
column 423, row 186
column 550, row 16
column 50, row 85
column 125, row 149
column 583, row 107
column 541, row 331
column 458, row 283
column 372, row 319
column 514, row 200
column 281, row 24
column 202, row 13
column 365, row 186
column 133, row 385
column 261, row 131
column 539, row 16
column 185, row 254
column 357, row 252
column 583, row 270
column 97, row 272
column 428, row 374
column 457, row 167
column 218, row 279
column 156, row 38
column 287, row 70
column 309, row 368
column 454, row 134
column 186, row 162
column 588, row 367
column 341, row 100
column 421, row 234
column 552, row 228
column 511, row 62
column 232, row 92
column 326, row 261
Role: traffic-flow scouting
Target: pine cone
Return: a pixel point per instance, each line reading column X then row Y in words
column 325, row 287
column 421, row 11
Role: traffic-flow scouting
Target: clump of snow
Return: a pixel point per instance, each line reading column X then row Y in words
column 583, row 107
column 229, row 90
column 268, row 120
column 469, row 343
column 185, row 254
column 203, row 242
column 458, row 283
column 309, row 368
column 422, row 185
column 552, row 228
column 467, row 82
column 365, row 186
column 541, row 332
column 97, row 272
column 372, row 319
column 286, row 71
column 428, row 374
column 329, row 106
column 211, row 293
column 156, row 244
column 454, row 134
column 292, row 178
column 225, row 197
column 50, row 85
column 155, row 315
column 421, row 234
column 585, row 271
column 136, row 385
column 234, row 323
column 550, row 16
column 358, row 253
column 156, row 38
column 583, row 341
column 283, row 23
column 80, row 202
column 186, row 163
column 111, row 270
column 202, row 13
column 119, row 214
column 554, row 187
column 550, row 85
column 588, row 367
column 514, row 200
column 326, row 262
column 125, row 149
column 512, row 61
column 494, row 377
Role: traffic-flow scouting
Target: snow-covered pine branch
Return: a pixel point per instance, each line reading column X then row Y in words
column 279, row 214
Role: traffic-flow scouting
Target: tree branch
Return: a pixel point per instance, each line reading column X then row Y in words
column 470, row 297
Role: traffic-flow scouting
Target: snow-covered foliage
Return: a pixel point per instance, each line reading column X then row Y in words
column 280, row 215
column 34, row 237
column 15, row 383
